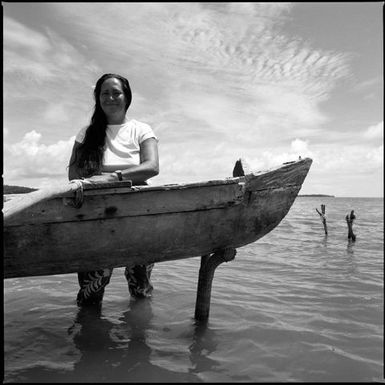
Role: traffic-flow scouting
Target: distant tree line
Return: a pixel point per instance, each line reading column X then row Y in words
column 17, row 189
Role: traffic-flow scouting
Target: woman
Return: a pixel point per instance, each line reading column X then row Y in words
column 113, row 148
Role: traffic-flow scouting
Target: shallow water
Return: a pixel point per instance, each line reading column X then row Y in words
column 294, row 306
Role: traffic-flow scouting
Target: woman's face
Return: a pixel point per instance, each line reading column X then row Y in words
column 113, row 100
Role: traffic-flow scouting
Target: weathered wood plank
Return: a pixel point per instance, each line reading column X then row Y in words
column 132, row 203
column 292, row 173
column 59, row 248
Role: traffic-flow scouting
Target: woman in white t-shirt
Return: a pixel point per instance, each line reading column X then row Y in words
column 114, row 148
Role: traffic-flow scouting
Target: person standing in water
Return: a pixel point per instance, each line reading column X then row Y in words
column 112, row 148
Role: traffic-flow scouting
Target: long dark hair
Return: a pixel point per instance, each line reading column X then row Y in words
column 89, row 156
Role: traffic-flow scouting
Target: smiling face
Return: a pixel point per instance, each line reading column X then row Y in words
column 113, row 101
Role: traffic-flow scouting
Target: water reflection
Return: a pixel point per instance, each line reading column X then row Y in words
column 350, row 247
column 351, row 263
column 119, row 352
column 324, row 241
column 94, row 330
column 204, row 343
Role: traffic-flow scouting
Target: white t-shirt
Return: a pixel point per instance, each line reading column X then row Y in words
column 122, row 146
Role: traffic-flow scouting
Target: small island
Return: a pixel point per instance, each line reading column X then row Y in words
column 17, row 189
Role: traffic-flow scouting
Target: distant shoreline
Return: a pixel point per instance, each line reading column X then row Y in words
column 17, row 189
column 317, row 195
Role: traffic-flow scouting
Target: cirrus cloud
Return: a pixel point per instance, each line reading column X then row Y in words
column 217, row 81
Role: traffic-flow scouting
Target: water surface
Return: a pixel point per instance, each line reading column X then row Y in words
column 294, row 306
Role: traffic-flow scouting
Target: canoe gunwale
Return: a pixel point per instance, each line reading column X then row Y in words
column 115, row 188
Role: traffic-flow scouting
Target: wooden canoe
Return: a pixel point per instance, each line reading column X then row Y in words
column 118, row 225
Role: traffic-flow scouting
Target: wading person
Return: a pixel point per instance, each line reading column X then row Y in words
column 114, row 148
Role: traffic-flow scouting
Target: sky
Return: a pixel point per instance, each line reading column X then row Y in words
column 265, row 82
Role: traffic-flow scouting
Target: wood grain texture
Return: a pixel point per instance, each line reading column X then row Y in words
column 149, row 224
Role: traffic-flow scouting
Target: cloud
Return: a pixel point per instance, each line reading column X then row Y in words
column 376, row 156
column 32, row 57
column 47, row 83
column 188, row 163
column 217, row 81
column 30, row 158
column 25, row 51
column 339, row 159
column 345, row 170
column 56, row 113
column 195, row 46
column 301, row 147
column 253, row 45
column 375, row 132
column 21, row 38
column 191, row 38
column 368, row 84
column 274, row 157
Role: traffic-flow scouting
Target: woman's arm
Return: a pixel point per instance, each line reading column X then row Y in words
column 149, row 161
column 148, row 167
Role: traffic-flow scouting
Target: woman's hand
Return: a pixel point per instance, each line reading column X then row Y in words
column 104, row 177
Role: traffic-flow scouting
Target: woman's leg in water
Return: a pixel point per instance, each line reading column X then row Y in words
column 92, row 284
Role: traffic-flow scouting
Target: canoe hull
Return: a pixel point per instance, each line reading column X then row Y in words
column 149, row 224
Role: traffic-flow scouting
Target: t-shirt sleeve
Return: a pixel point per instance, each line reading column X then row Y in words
column 81, row 135
column 145, row 132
